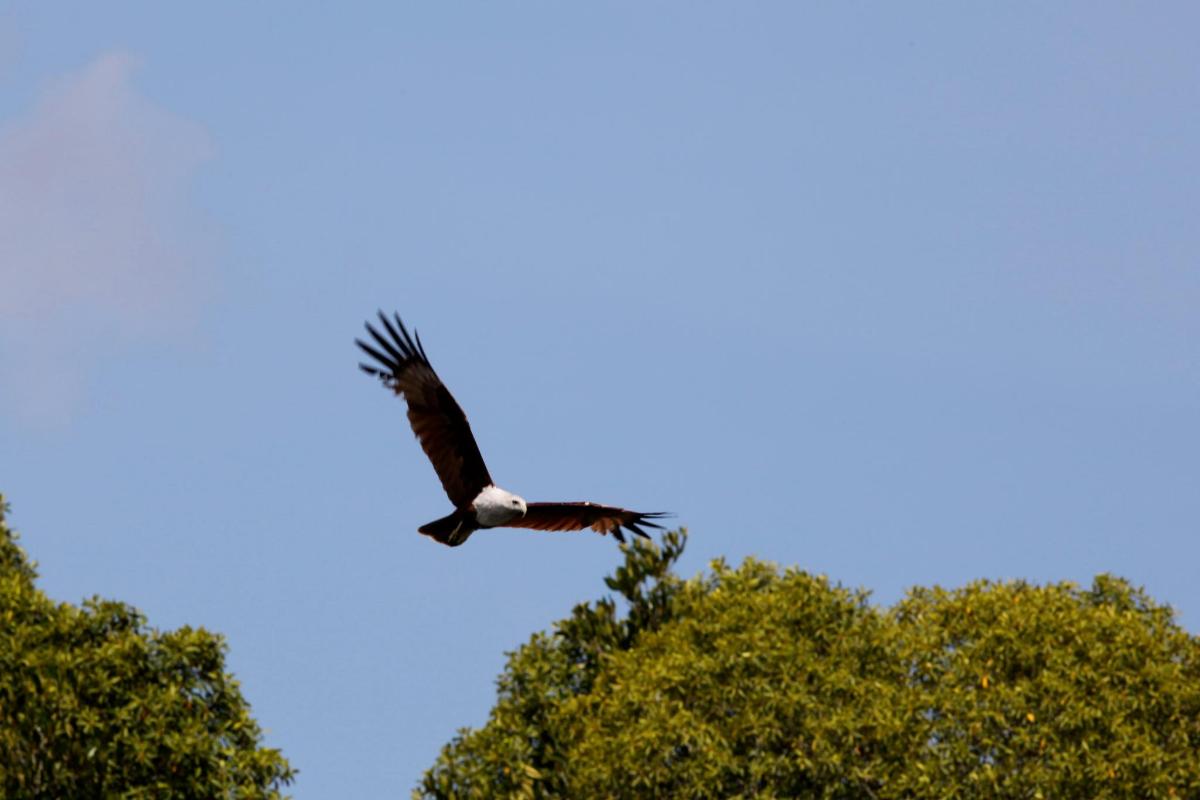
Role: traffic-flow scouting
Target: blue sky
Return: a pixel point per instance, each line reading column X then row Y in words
column 903, row 296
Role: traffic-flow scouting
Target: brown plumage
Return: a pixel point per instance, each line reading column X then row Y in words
column 441, row 427
column 577, row 516
column 437, row 420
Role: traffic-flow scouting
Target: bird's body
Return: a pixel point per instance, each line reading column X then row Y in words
column 441, row 427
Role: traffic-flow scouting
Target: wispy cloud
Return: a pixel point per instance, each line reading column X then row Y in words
column 98, row 244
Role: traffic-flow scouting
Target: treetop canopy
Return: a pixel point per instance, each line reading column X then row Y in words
column 760, row 682
column 94, row 703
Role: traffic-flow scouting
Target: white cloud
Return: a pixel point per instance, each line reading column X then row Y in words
column 98, row 245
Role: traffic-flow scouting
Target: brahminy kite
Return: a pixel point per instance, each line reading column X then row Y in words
column 441, row 427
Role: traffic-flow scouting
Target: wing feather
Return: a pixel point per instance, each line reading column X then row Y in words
column 436, row 419
column 577, row 516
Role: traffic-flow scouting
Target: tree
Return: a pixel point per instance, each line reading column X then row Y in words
column 93, row 703
column 757, row 682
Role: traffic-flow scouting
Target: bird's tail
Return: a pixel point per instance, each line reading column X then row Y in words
column 452, row 530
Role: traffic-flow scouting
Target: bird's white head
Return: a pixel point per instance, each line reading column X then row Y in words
column 494, row 506
column 518, row 504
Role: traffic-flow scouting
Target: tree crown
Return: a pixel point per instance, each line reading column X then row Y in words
column 760, row 682
column 94, row 703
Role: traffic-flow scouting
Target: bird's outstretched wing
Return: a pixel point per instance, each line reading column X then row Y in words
column 437, row 420
column 577, row 516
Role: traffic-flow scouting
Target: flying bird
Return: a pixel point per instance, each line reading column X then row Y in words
column 441, row 427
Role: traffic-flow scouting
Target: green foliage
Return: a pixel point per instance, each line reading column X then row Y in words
column 757, row 682
column 95, row 704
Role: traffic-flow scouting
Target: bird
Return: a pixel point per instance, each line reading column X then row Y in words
column 439, row 424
